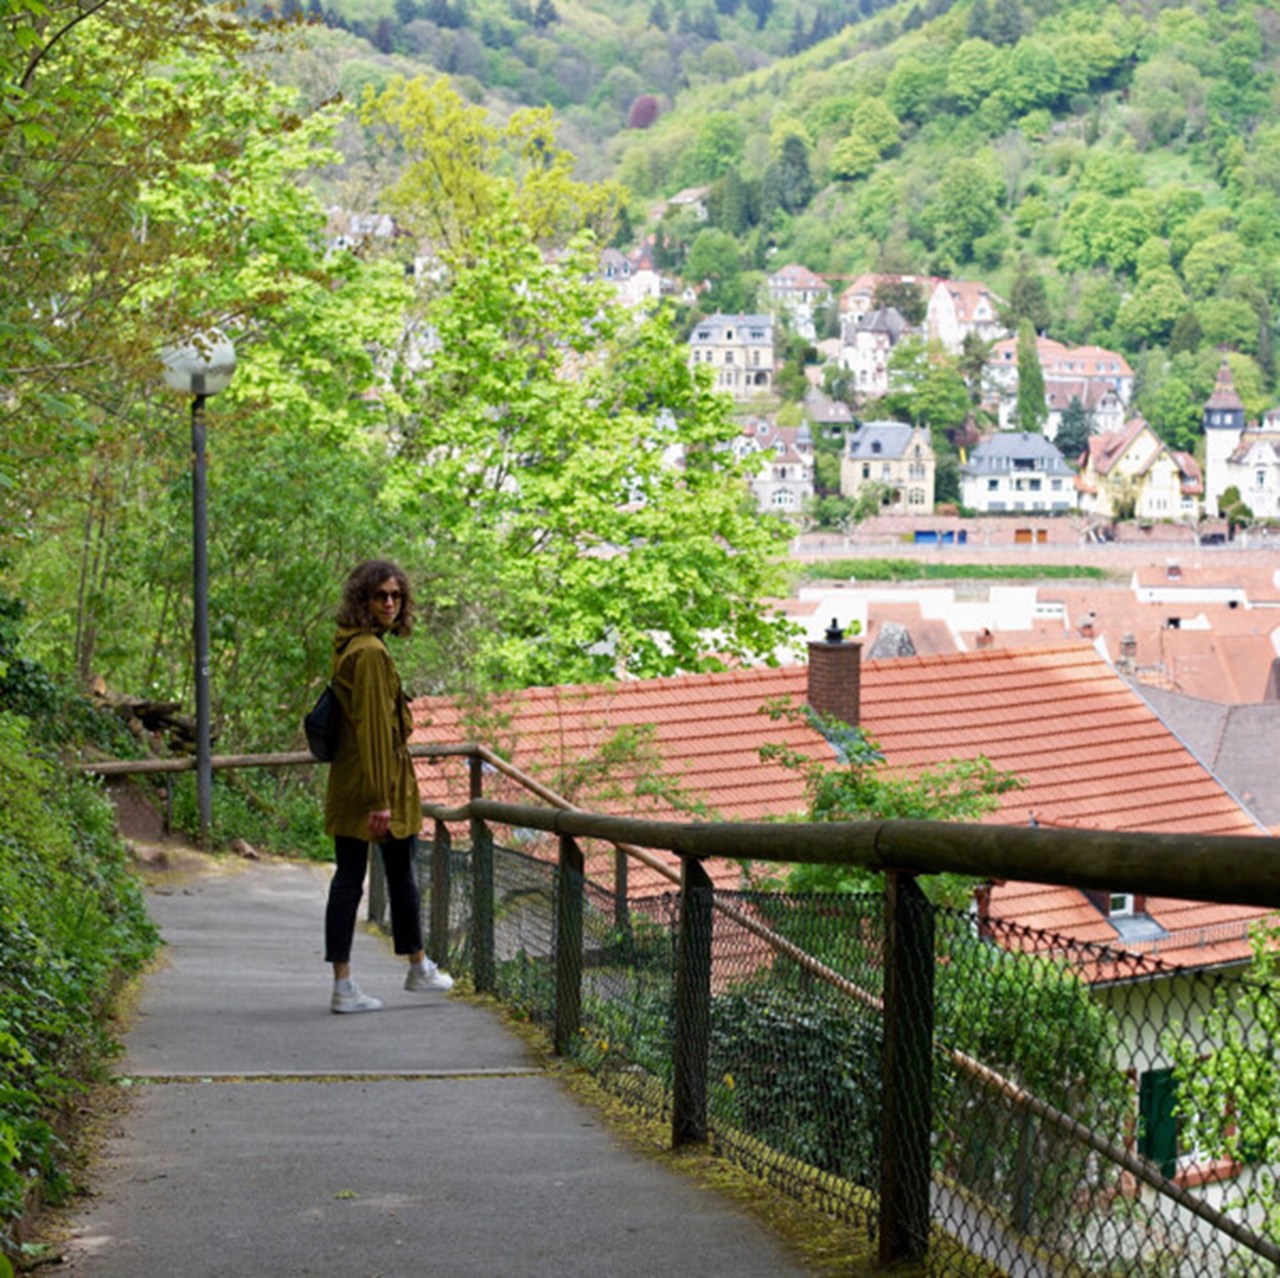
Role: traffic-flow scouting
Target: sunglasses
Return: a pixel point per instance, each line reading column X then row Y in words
column 389, row 596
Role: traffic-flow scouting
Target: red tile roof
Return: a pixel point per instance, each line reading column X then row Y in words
column 1092, row 753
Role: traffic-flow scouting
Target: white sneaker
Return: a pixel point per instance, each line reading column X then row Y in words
column 353, row 1000
column 430, row 978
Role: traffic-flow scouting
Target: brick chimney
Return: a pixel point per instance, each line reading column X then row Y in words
column 835, row 676
column 1127, row 661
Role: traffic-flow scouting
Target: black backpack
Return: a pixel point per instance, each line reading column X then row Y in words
column 323, row 722
column 321, row 725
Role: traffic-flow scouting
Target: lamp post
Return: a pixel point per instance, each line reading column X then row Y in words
column 200, row 367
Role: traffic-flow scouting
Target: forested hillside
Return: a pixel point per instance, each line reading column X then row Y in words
column 1112, row 170
column 602, row 66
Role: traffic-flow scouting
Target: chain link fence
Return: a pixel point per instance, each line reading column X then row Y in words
column 1089, row 1111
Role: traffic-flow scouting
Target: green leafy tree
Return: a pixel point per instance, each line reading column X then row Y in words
column 973, row 72
column 1031, row 407
column 1005, row 24
column 963, row 209
column 458, row 165
column 1234, row 509
column 1228, row 1102
column 1073, row 430
column 925, row 385
column 788, row 177
column 714, row 256
column 860, row 789
column 537, row 461
column 1028, row 298
column 1150, row 312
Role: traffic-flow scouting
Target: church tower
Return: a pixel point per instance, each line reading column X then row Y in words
column 1223, row 427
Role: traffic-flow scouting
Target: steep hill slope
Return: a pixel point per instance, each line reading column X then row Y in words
column 1110, row 168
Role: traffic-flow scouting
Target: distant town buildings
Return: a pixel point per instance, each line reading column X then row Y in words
column 1100, row 379
column 1017, row 471
column 797, row 292
column 898, row 456
column 1239, row 454
column 740, row 350
column 865, row 346
column 784, row 482
column 1133, row 474
column 959, row 308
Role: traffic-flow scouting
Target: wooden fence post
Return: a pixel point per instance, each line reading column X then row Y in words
column 441, row 854
column 907, row 1072
column 570, row 886
column 693, row 1007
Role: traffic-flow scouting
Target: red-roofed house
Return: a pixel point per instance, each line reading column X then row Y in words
column 1133, row 473
column 1091, row 752
column 797, row 292
column 960, row 307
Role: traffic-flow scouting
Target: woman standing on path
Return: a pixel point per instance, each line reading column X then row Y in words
column 372, row 794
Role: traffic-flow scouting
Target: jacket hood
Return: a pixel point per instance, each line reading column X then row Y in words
column 346, row 634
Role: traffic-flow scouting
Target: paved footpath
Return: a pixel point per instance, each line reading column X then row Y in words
column 268, row 1137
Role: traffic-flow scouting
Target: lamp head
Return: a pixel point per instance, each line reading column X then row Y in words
column 202, row 365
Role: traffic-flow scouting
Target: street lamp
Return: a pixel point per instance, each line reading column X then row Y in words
column 200, row 367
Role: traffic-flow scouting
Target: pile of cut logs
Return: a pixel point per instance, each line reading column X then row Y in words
column 157, row 721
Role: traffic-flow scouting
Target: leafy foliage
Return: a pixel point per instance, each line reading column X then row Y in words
column 860, row 789
column 1229, row 1097
column 72, row 922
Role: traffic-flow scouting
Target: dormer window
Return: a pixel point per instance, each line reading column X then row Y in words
column 1121, row 905
column 875, row 445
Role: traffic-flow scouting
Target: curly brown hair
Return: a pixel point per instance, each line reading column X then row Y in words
column 357, row 594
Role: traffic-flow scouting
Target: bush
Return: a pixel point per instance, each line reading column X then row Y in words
column 72, row 922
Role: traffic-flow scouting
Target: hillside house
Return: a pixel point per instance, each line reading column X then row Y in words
column 797, row 292
column 896, row 454
column 784, row 483
column 958, row 308
column 865, row 346
column 1133, row 474
column 858, row 299
column 1238, row 454
column 1101, row 379
column 1014, row 471
column 739, row 349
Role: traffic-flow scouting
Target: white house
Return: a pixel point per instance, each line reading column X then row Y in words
column 865, row 347
column 1239, row 454
column 797, row 292
column 960, row 307
column 784, row 483
column 1017, row 471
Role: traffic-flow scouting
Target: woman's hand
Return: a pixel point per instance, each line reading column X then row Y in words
column 379, row 824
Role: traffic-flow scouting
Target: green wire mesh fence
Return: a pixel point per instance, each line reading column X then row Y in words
column 1089, row 1111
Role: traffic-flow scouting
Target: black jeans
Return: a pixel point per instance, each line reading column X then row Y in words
column 347, row 887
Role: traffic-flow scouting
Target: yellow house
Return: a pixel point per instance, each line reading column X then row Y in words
column 1133, row 474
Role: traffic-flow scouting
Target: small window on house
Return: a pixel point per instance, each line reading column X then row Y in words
column 993, row 485
column 1121, row 904
column 1173, row 623
column 875, row 445
column 866, row 470
column 1260, row 479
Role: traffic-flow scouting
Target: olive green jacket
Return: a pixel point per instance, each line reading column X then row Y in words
column 372, row 770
